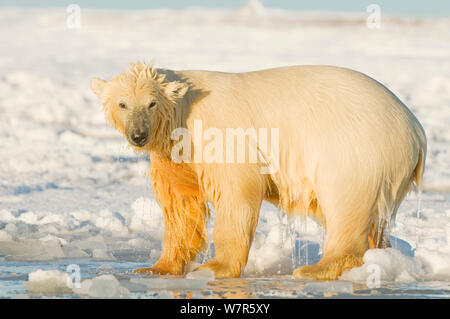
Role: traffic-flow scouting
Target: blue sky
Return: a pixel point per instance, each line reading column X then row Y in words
column 402, row 7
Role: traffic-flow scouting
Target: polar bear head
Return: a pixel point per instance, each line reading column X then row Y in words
column 141, row 104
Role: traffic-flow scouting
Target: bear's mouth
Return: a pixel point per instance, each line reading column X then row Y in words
column 138, row 143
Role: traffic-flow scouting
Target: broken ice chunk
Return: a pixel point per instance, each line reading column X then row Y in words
column 134, row 287
column 204, row 274
column 84, row 287
column 103, row 287
column 72, row 251
column 4, row 236
column 31, row 250
column 48, row 282
column 102, row 254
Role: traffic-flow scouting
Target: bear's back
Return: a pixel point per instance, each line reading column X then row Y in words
column 316, row 99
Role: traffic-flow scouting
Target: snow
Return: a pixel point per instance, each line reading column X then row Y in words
column 71, row 188
column 253, row 7
column 391, row 265
column 147, row 215
column 436, row 264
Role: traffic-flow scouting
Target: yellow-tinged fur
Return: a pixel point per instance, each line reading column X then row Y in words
column 185, row 212
column 349, row 151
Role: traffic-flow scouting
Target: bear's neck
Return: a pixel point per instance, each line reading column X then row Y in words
column 161, row 142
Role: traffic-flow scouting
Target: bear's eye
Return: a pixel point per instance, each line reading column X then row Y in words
column 122, row 105
column 152, row 104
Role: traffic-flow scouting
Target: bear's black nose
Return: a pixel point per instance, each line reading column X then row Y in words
column 139, row 137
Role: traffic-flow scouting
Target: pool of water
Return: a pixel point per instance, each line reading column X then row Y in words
column 13, row 275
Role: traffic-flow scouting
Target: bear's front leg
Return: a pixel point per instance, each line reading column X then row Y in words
column 236, row 217
column 185, row 212
column 184, row 237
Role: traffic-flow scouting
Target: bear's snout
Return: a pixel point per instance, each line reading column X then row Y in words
column 139, row 137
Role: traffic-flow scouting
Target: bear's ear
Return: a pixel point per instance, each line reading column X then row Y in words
column 176, row 90
column 97, row 86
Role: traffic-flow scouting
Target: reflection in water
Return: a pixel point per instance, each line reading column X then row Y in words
column 286, row 287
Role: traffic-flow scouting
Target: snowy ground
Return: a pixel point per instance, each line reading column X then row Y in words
column 71, row 192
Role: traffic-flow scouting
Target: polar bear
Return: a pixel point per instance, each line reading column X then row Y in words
column 348, row 152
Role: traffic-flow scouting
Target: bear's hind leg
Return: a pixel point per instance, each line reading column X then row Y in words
column 378, row 237
column 345, row 245
column 329, row 268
